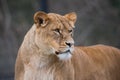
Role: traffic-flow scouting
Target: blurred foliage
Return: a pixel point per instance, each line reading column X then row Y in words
column 115, row 3
column 21, row 10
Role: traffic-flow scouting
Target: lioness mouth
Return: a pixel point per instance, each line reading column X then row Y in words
column 58, row 52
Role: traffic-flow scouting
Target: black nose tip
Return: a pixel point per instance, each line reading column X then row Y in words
column 69, row 44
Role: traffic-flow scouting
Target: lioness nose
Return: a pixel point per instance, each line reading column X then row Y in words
column 69, row 44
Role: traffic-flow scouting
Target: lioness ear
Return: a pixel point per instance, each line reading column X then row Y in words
column 41, row 19
column 72, row 17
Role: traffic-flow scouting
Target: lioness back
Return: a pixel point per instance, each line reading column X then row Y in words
column 97, row 62
column 48, row 53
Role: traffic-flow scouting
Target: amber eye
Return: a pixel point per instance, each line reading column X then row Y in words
column 57, row 30
column 70, row 31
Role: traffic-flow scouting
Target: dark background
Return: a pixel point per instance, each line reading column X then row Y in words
column 98, row 23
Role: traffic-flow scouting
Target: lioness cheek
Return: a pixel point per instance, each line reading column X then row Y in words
column 54, row 44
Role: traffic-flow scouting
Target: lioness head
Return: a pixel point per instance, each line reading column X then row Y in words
column 54, row 33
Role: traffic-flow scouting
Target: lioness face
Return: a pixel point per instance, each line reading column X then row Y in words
column 54, row 33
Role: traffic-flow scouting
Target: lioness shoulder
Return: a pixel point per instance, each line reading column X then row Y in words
column 48, row 53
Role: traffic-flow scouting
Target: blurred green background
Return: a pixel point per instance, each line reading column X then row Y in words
column 98, row 23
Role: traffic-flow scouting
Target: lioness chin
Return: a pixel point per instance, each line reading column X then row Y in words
column 48, row 53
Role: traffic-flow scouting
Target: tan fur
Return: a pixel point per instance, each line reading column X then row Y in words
column 37, row 58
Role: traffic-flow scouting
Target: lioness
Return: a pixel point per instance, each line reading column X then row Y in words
column 48, row 53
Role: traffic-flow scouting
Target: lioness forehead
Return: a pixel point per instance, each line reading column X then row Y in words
column 60, row 21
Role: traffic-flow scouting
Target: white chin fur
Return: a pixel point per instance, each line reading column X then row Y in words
column 64, row 56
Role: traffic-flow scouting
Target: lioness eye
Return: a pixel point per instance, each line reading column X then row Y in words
column 70, row 31
column 57, row 30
